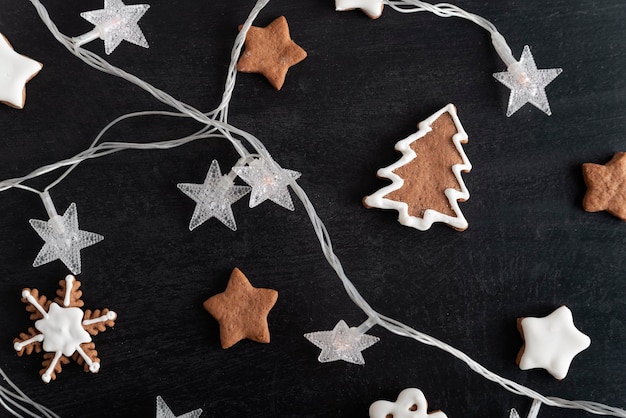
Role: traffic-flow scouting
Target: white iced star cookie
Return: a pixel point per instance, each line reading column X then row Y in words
column 372, row 8
column 550, row 342
column 15, row 71
column 411, row 403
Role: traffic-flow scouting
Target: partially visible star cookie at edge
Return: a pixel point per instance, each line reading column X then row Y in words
column 606, row 186
column 270, row 51
column 15, row 71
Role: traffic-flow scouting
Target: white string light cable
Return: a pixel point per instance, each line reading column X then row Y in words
column 216, row 126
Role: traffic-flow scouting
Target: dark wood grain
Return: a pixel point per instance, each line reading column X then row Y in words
column 365, row 85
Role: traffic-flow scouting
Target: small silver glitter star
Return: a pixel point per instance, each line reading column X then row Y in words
column 527, row 83
column 514, row 414
column 118, row 22
column 164, row 411
column 63, row 239
column 214, row 198
column 342, row 343
column 267, row 183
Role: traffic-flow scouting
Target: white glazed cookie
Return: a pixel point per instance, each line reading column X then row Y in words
column 550, row 342
column 372, row 8
column 411, row 403
column 426, row 182
column 16, row 71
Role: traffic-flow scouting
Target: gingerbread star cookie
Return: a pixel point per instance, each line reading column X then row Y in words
column 270, row 51
column 242, row 310
column 606, row 186
column 15, row 71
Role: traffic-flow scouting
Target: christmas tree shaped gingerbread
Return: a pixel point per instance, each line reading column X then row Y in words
column 426, row 182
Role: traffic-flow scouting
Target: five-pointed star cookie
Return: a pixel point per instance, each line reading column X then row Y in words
column 606, row 186
column 372, row 8
column 242, row 310
column 63, row 239
column 529, row 86
column 342, row 343
column 117, row 22
column 270, row 51
column 551, row 342
column 15, row 71
column 214, row 198
column 164, row 411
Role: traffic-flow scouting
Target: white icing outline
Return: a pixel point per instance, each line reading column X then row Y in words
column 377, row 200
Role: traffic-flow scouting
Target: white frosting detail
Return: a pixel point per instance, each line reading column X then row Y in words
column 69, row 283
column 372, row 8
column 15, row 71
column 26, row 295
column 431, row 216
column 94, row 367
column 48, row 373
column 109, row 316
column 552, row 342
column 404, row 406
column 19, row 345
column 62, row 330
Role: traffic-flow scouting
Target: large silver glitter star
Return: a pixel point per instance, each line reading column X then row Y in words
column 214, row 198
column 342, row 343
column 63, row 239
column 164, row 411
column 527, row 83
column 118, row 22
column 267, row 183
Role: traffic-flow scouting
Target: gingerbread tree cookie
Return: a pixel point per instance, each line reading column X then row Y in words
column 62, row 329
column 426, row 182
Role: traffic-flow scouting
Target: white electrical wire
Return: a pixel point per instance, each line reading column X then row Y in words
column 216, row 126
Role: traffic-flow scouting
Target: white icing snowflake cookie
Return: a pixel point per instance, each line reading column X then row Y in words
column 426, row 182
column 62, row 329
column 411, row 403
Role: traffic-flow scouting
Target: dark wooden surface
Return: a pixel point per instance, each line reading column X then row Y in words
column 365, row 85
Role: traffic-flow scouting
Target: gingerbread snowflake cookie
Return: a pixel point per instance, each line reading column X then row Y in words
column 411, row 403
column 62, row 329
column 426, row 182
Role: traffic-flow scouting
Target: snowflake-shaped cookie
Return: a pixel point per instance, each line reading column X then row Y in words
column 411, row 403
column 62, row 331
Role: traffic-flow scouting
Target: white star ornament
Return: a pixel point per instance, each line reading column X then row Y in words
column 163, row 411
column 513, row 413
column 214, row 198
column 15, row 71
column 117, row 22
column 63, row 239
column 267, row 183
column 551, row 342
column 527, row 83
column 342, row 343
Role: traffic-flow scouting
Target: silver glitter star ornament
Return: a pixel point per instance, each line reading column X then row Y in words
column 164, row 411
column 267, row 182
column 342, row 343
column 527, row 83
column 63, row 239
column 115, row 23
column 214, row 198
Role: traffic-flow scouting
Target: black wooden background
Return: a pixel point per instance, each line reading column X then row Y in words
column 365, row 85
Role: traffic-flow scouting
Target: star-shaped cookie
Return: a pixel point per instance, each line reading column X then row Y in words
column 606, row 186
column 242, row 310
column 270, row 51
column 15, row 71
column 372, row 8
column 551, row 342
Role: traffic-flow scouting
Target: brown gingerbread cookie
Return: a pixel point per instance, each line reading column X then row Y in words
column 606, row 186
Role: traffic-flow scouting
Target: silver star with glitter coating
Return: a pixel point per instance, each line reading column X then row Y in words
column 214, row 198
column 267, row 183
column 63, row 239
column 117, row 22
column 164, row 411
column 514, row 414
column 528, row 87
column 342, row 343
